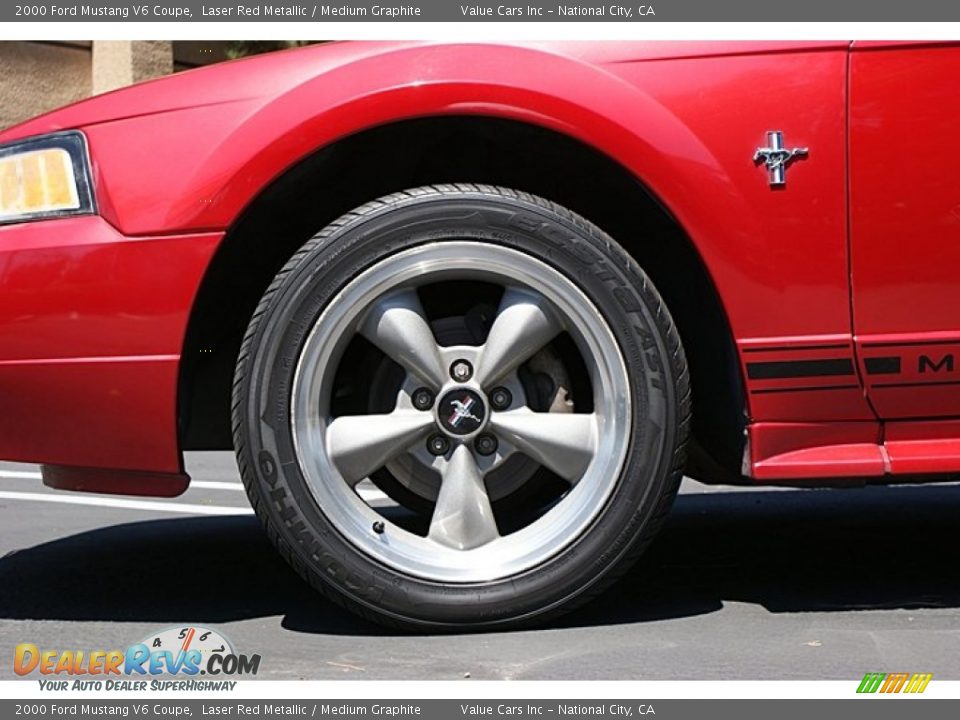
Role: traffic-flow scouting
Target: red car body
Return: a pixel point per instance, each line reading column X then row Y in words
column 839, row 290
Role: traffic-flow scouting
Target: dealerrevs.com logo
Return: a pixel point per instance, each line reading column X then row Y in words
column 178, row 651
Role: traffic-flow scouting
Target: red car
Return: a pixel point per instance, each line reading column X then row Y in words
column 518, row 290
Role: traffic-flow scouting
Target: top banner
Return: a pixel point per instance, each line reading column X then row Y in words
column 510, row 11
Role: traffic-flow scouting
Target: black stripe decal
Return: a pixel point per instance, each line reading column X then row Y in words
column 799, row 368
column 882, row 365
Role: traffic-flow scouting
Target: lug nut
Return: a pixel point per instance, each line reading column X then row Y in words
column 438, row 445
column 485, row 444
column 422, row 399
column 461, row 371
column 500, row 398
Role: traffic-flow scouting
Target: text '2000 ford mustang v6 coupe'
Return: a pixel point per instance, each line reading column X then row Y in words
column 521, row 290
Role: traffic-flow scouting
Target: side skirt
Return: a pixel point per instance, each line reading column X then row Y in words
column 852, row 450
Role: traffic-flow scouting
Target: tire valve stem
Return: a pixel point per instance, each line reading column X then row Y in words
column 378, row 527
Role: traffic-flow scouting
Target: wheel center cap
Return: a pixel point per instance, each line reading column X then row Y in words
column 461, row 411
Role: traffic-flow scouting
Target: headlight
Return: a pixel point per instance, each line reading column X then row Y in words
column 45, row 177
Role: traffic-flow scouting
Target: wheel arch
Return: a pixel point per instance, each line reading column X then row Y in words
column 460, row 148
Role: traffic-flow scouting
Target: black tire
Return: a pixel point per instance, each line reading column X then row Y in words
column 627, row 300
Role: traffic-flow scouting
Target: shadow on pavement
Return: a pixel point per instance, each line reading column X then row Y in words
column 789, row 551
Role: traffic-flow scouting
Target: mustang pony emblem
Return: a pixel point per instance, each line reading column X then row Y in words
column 776, row 157
column 461, row 412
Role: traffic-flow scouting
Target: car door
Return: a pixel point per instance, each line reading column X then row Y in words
column 905, row 225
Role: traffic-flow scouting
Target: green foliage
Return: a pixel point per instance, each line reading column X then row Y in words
column 245, row 48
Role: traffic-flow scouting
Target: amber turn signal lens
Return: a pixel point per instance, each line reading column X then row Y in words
column 37, row 181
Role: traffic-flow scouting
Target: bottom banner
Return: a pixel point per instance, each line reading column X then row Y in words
column 453, row 709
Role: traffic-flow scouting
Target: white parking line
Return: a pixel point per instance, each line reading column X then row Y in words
column 215, row 485
column 15, row 475
column 367, row 494
column 153, row 506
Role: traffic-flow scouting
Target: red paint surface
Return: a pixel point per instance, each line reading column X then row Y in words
column 905, row 223
column 92, row 325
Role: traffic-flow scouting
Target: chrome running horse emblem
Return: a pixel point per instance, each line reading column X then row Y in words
column 461, row 411
column 776, row 157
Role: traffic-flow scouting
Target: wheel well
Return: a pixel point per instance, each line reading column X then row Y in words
column 459, row 149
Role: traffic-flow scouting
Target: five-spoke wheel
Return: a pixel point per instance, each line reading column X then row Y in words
column 462, row 438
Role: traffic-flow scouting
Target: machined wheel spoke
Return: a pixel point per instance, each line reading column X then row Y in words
column 563, row 442
column 524, row 324
column 462, row 518
column 398, row 326
column 359, row 444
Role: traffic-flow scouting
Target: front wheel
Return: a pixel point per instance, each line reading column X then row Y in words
column 461, row 406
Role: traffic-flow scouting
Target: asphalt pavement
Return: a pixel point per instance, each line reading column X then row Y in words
column 741, row 584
